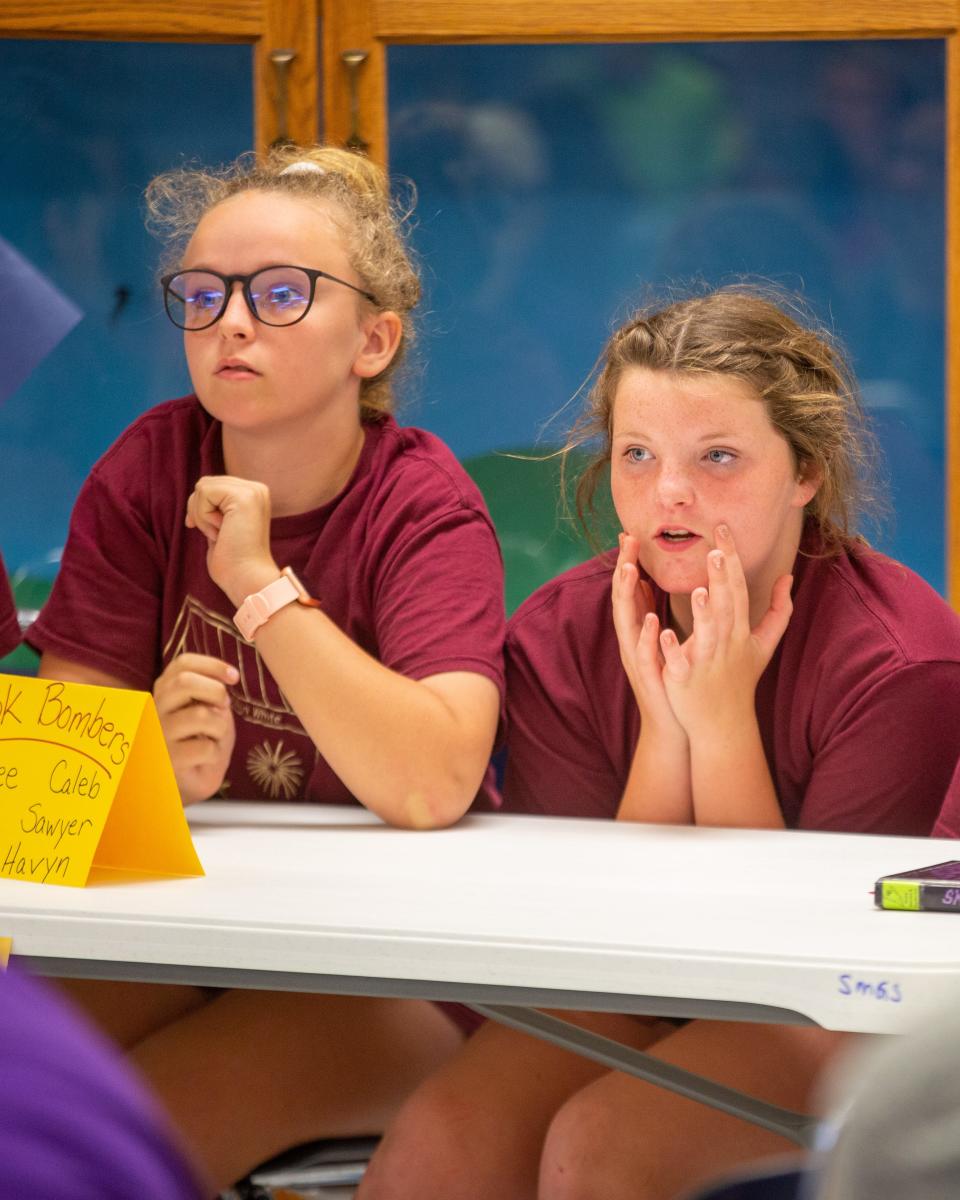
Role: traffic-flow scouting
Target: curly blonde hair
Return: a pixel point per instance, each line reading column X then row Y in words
column 372, row 225
column 797, row 370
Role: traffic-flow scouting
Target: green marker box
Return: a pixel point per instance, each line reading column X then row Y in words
column 927, row 889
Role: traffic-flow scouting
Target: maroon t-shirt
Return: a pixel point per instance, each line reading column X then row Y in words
column 9, row 627
column 948, row 822
column 405, row 560
column 859, row 708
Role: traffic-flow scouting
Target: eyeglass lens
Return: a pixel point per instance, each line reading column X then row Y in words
column 280, row 295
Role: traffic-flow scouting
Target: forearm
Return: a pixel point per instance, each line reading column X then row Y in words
column 396, row 744
column 731, row 781
column 658, row 787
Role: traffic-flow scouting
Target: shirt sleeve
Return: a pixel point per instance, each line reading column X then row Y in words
column 557, row 762
column 439, row 599
column 105, row 607
column 948, row 821
column 886, row 765
column 9, row 626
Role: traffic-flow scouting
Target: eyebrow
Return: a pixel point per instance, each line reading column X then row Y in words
column 634, row 435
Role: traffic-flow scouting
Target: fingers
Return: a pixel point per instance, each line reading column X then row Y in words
column 675, row 663
column 773, row 624
column 729, row 574
column 216, row 496
column 194, row 679
column 649, row 659
column 203, row 516
column 198, row 722
column 627, row 594
column 624, row 606
column 705, row 632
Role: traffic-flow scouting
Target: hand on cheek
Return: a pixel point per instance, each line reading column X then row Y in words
column 197, row 721
column 711, row 679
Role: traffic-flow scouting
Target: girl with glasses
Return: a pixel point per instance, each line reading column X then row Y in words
column 743, row 659
column 314, row 595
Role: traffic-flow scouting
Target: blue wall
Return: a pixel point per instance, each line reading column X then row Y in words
column 555, row 184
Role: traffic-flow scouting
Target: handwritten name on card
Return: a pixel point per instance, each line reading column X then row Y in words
column 86, row 782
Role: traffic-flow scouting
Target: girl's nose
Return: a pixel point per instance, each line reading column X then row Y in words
column 237, row 319
column 674, row 486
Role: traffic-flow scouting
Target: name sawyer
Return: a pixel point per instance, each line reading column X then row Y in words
column 28, row 865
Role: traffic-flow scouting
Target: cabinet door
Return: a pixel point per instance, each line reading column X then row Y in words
column 282, row 34
column 519, row 218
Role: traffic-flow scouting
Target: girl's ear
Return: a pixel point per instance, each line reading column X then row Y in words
column 383, row 333
column 808, row 483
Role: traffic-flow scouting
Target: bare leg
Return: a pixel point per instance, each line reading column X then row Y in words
column 622, row 1138
column 252, row 1073
column 475, row 1129
column 128, row 1012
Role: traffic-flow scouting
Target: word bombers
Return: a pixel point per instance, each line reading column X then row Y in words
column 86, row 782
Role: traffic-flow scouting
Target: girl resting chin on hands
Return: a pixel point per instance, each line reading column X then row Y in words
column 367, row 668
column 743, row 659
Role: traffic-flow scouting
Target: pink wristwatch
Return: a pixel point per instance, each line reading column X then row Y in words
column 260, row 606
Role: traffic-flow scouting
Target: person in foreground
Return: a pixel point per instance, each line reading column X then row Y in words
column 743, row 660
column 76, row 1124
column 314, row 595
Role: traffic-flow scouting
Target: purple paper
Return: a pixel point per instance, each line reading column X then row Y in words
column 36, row 318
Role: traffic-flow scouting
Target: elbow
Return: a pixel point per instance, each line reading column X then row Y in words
column 438, row 801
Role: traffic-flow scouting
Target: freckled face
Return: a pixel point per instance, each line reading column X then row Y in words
column 690, row 452
column 251, row 375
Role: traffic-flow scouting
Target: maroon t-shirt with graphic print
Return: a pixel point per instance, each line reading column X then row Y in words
column 9, row 627
column 405, row 560
column 859, row 708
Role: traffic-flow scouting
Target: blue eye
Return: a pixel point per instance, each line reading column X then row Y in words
column 720, row 457
column 204, row 300
column 638, row 454
column 281, row 297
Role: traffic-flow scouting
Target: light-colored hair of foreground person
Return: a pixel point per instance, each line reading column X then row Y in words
column 899, row 1138
column 358, row 194
column 798, row 372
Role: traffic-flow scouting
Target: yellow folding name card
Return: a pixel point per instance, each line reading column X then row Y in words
column 86, row 781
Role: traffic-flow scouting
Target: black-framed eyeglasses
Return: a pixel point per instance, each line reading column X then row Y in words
column 279, row 295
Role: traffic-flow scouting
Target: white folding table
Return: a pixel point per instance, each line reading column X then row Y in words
column 509, row 912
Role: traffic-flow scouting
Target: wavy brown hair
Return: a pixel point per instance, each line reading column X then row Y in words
column 357, row 191
column 797, row 369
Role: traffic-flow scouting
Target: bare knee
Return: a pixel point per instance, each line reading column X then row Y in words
column 427, row 1150
column 585, row 1158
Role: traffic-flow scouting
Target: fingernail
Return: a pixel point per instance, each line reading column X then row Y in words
column 700, row 599
column 723, row 531
column 650, row 620
column 233, row 675
column 716, row 559
column 620, row 540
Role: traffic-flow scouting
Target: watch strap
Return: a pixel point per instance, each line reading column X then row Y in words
column 260, row 606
